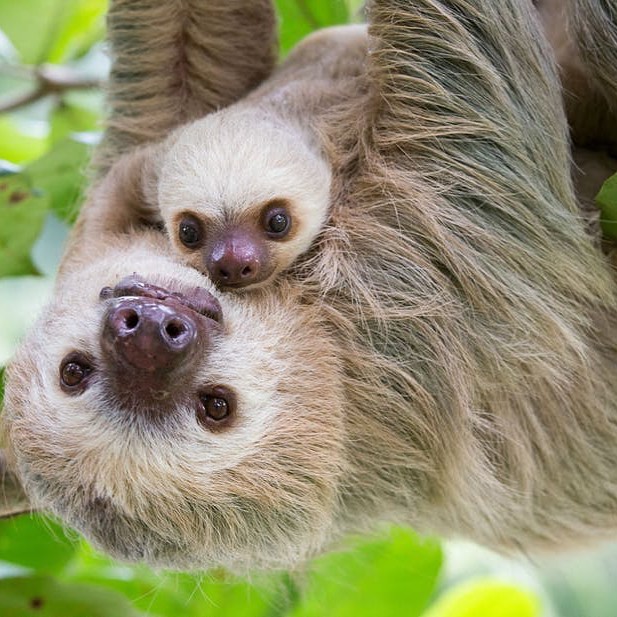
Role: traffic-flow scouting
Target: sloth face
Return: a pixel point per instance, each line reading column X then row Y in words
column 242, row 195
column 173, row 427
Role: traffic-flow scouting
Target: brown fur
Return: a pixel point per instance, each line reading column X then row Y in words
column 445, row 356
column 194, row 57
column 583, row 34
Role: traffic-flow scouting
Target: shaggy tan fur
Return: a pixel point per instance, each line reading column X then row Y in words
column 194, row 57
column 445, row 356
column 583, row 36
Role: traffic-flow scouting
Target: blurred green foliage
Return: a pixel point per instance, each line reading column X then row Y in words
column 48, row 571
column 396, row 573
column 607, row 199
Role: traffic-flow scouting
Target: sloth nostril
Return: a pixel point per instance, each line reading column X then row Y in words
column 175, row 329
column 246, row 271
column 131, row 320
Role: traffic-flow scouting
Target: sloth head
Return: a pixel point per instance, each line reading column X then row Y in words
column 242, row 195
column 173, row 427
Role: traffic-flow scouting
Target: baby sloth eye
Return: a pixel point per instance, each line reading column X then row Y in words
column 277, row 221
column 217, row 406
column 75, row 369
column 189, row 232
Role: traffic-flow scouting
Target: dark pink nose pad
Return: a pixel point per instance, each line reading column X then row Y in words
column 234, row 269
column 238, row 258
column 147, row 335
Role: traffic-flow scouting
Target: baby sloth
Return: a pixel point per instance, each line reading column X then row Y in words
column 245, row 191
column 242, row 194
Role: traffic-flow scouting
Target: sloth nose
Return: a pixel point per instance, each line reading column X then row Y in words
column 234, row 269
column 145, row 335
column 236, row 259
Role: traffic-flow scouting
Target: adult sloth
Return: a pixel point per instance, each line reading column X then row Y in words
column 444, row 357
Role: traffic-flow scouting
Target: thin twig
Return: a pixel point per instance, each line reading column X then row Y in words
column 50, row 79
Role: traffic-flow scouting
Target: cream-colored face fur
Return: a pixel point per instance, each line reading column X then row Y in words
column 165, row 489
column 228, row 168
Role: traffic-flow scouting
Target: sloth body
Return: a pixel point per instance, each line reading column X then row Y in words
column 446, row 358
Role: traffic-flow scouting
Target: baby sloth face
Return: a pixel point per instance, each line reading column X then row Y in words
column 242, row 196
column 241, row 254
column 173, row 427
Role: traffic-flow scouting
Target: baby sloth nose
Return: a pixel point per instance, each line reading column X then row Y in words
column 237, row 259
column 233, row 269
column 146, row 335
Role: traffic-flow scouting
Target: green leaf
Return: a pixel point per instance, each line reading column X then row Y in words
column 35, row 542
column 235, row 597
column 40, row 596
column 60, row 176
column 607, row 198
column 378, row 578
column 15, row 145
column 486, row 598
column 83, row 26
column 22, row 214
column 171, row 593
column 301, row 17
column 67, row 119
column 354, row 7
column 51, row 30
column 31, row 26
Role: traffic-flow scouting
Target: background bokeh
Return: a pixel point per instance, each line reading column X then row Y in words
column 52, row 65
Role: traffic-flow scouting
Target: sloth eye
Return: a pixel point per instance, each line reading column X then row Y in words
column 217, row 406
column 277, row 221
column 75, row 369
column 189, row 232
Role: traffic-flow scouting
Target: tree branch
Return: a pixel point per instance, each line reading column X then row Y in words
column 50, row 79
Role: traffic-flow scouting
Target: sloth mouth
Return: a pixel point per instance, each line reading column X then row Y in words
column 197, row 299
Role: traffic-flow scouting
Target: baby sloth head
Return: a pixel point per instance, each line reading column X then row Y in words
column 173, row 427
column 242, row 195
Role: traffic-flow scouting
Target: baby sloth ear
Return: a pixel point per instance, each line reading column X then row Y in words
column 13, row 500
column 125, row 198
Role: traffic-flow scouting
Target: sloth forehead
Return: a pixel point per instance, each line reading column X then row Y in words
column 230, row 161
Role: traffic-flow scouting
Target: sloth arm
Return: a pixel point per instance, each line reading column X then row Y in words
column 588, row 67
column 457, row 86
column 173, row 62
column 468, row 92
